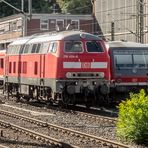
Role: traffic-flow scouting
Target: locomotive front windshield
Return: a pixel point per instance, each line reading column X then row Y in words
column 131, row 58
column 73, row 46
column 77, row 46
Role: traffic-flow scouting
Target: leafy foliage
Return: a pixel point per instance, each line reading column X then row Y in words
column 75, row 6
column 48, row 6
column 132, row 122
column 38, row 6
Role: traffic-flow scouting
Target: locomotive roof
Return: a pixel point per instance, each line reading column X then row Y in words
column 125, row 44
column 64, row 35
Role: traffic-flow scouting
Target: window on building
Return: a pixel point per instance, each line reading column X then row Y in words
column 75, row 24
column 13, row 26
column 44, row 25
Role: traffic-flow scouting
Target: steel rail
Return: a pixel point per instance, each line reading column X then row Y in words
column 66, row 130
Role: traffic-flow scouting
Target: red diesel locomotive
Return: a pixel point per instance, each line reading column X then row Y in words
column 129, row 66
column 66, row 67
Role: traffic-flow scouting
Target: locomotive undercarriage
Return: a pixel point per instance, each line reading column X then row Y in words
column 64, row 93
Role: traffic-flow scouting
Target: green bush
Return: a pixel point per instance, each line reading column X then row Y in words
column 132, row 124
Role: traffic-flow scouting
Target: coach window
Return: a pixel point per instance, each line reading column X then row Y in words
column 94, row 46
column 73, row 46
column 10, row 66
column 123, row 61
column 146, row 59
column 27, row 46
column 18, row 49
column 2, row 63
column 45, row 47
column 38, row 48
column 34, row 48
column 24, row 67
column 14, row 67
column 9, row 49
column 53, row 47
column 21, row 49
column 139, row 61
column 12, row 49
column 19, row 67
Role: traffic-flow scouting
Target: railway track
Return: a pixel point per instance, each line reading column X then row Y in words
column 38, row 136
column 75, row 134
column 97, row 118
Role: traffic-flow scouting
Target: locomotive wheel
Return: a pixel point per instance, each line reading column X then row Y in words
column 65, row 100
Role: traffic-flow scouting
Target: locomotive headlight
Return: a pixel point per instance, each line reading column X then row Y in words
column 94, row 82
column 76, row 83
column 68, row 75
column 101, row 74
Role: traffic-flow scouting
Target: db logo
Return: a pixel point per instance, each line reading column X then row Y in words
column 86, row 65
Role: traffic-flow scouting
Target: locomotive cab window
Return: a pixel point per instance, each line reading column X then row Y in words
column 73, row 46
column 53, row 47
column 94, row 46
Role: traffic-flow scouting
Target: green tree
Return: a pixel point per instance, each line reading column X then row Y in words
column 75, row 6
column 38, row 6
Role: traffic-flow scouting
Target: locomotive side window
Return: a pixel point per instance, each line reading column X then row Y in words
column 53, row 47
column 45, row 47
column 73, row 46
column 94, row 46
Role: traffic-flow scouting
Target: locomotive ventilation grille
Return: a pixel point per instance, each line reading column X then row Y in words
column 85, row 74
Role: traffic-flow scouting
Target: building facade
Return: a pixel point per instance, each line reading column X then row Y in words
column 20, row 25
column 123, row 19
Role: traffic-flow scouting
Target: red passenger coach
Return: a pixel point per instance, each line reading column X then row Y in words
column 2, row 65
column 66, row 67
column 129, row 66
